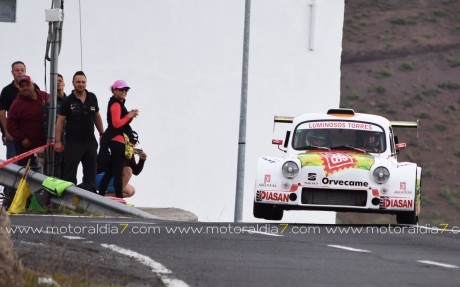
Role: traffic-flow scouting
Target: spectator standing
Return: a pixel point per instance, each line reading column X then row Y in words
column 117, row 136
column 79, row 113
column 7, row 96
column 25, row 119
column 61, row 96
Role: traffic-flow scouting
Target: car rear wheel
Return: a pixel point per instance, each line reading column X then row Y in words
column 407, row 217
column 267, row 211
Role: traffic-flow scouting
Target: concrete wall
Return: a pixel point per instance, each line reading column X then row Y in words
column 183, row 61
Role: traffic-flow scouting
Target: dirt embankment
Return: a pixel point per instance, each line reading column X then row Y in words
column 401, row 59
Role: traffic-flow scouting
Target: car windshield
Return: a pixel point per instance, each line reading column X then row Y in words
column 332, row 135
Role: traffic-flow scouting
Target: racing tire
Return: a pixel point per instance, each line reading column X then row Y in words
column 407, row 217
column 267, row 211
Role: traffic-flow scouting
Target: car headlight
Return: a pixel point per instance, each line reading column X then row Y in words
column 381, row 174
column 290, row 169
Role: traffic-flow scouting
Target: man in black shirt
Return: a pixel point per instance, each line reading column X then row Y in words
column 79, row 114
column 9, row 93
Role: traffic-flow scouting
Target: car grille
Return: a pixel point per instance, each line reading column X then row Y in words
column 334, row 197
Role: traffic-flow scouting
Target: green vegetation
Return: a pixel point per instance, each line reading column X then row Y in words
column 406, row 66
column 457, row 151
column 440, row 127
column 449, row 86
column 380, row 89
column 409, row 154
column 450, row 108
column 428, row 172
column 353, row 96
column 432, row 19
column 404, row 21
column 382, row 74
column 454, row 63
column 31, row 280
column 439, row 13
column 407, row 103
column 422, row 115
column 448, row 2
column 53, row 209
column 451, row 195
column 426, row 93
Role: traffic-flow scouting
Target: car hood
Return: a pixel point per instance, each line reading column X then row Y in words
column 334, row 161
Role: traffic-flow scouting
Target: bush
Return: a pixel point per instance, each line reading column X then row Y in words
column 440, row 127
column 407, row 103
column 422, row 115
column 454, row 63
column 406, row 66
column 382, row 74
column 353, row 96
column 380, row 89
column 439, row 13
column 404, row 21
column 449, row 86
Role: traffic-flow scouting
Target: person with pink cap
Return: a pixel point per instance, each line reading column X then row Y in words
column 119, row 138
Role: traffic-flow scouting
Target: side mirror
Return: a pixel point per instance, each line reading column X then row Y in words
column 278, row 143
column 400, row 146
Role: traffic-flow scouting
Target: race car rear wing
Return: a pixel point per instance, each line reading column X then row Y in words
column 283, row 119
column 405, row 124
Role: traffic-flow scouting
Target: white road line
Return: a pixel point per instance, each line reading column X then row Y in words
column 349, row 248
column 125, row 222
column 438, row 264
column 164, row 273
column 73, row 237
column 263, row 233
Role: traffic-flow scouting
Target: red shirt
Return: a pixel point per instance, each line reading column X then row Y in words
column 117, row 121
column 25, row 119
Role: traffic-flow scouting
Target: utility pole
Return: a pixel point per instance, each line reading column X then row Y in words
column 243, row 115
column 55, row 18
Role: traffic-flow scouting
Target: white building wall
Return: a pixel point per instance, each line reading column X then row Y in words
column 183, row 60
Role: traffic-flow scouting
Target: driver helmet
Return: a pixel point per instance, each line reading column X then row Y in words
column 317, row 138
column 375, row 142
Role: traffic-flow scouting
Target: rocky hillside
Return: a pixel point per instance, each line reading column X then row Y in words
column 401, row 60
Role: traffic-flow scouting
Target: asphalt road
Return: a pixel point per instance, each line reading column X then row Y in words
column 151, row 253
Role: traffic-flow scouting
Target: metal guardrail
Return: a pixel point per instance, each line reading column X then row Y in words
column 73, row 197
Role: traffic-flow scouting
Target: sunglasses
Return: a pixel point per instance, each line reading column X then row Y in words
column 123, row 90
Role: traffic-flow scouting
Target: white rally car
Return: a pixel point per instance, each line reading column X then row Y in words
column 339, row 161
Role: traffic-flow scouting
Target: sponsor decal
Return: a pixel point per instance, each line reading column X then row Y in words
column 262, row 195
column 267, row 185
column 326, row 180
column 340, row 125
column 269, row 160
column 333, row 162
column 294, row 187
column 403, row 192
column 311, row 176
column 402, row 186
column 267, row 178
column 387, row 202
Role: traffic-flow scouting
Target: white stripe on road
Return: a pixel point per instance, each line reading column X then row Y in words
column 349, row 248
column 164, row 273
column 438, row 264
column 263, row 233
column 73, row 237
